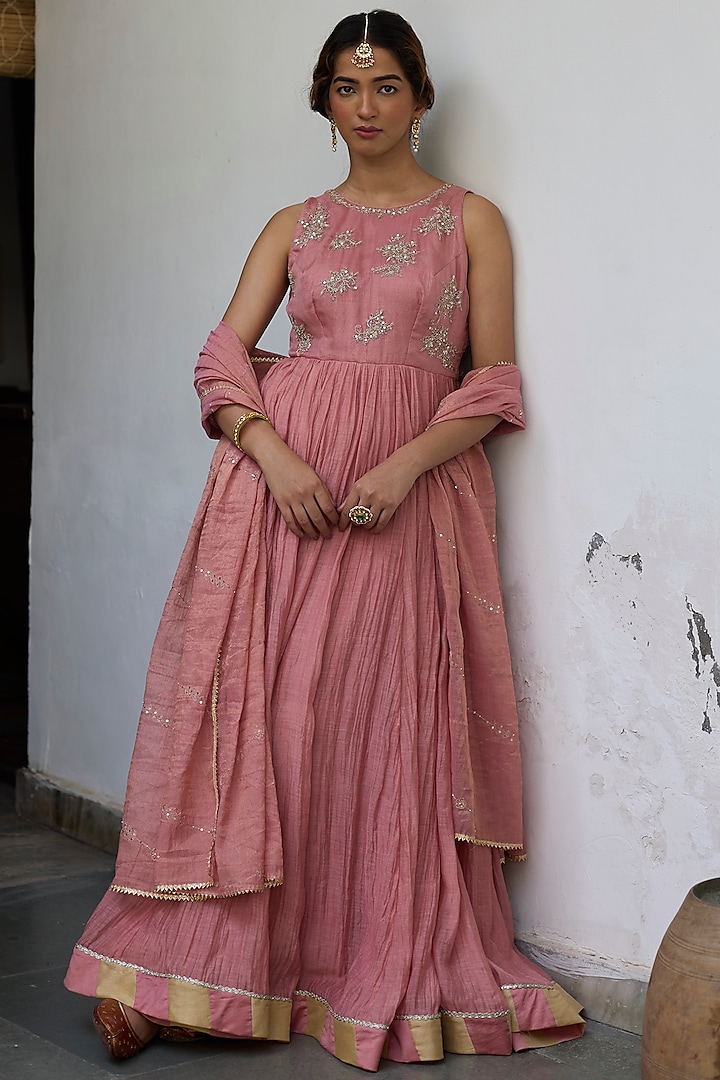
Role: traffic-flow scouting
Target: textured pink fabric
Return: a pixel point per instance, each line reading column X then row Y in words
column 200, row 812
column 364, row 699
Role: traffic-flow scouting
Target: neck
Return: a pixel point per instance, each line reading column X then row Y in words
column 387, row 182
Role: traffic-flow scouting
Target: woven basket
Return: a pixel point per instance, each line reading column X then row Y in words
column 17, row 38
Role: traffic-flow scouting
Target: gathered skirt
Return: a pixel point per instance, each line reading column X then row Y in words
column 388, row 936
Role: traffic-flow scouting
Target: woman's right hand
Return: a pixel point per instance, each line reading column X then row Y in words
column 303, row 500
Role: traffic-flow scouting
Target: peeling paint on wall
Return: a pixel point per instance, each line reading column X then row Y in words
column 706, row 666
column 597, row 541
column 622, row 594
column 646, row 722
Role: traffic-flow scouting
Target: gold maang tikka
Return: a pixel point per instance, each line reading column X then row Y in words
column 363, row 56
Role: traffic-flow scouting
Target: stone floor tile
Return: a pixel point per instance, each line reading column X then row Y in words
column 23, row 1056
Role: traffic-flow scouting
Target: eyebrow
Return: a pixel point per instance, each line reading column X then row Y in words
column 378, row 78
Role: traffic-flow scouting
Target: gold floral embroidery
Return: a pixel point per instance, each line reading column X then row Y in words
column 343, row 240
column 291, row 282
column 375, row 326
column 441, row 220
column 130, row 834
column 313, row 227
column 450, row 298
column 436, row 341
column 338, row 282
column 399, row 253
column 436, row 344
column 302, row 336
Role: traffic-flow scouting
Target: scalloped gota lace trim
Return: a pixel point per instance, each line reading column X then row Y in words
column 192, row 897
column 488, row 843
column 492, row 844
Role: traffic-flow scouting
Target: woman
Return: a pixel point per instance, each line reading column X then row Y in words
column 326, row 775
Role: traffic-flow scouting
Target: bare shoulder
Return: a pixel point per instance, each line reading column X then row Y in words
column 483, row 223
column 481, row 218
column 288, row 215
column 264, row 278
column 281, row 226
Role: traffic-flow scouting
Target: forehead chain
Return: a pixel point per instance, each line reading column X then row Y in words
column 363, row 56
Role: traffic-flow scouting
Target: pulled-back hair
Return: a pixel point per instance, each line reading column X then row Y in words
column 386, row 30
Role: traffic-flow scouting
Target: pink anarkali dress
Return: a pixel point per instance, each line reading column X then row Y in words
column 326, row 777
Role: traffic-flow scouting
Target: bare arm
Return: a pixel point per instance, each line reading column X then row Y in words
column 490, row 327
column 302, row 498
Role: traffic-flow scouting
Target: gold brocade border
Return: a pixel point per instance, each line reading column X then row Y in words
column 123, row 966
column 190, row 1004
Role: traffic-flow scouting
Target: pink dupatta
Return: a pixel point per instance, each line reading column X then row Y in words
column 201, row 817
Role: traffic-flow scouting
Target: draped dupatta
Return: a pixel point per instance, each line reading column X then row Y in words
column 201, row 816
column 483, row 722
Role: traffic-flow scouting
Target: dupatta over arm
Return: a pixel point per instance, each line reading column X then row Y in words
column 201, row 817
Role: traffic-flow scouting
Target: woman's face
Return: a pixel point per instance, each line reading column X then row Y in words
column 374, row 107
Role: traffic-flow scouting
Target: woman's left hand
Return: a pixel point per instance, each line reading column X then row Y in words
column 380, row 491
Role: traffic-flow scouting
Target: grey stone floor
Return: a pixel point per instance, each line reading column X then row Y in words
column 49, row 884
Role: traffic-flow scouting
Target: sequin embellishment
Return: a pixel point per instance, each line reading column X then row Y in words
column 441, row 220
column 302, row 336
column 375, row 327
column 398, row 253
column 343, row 240
column 214, row 579
column 313, row 227
column 291, row 282
column 389, row 211
column 158, row 717
column 450, row 298
column 436, row 342
column 338, row 282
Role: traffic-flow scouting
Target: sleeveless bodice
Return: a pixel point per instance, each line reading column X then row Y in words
column 380, row 286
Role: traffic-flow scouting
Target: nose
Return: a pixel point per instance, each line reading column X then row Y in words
column 366, row 105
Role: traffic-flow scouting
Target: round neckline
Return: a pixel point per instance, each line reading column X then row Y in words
column 401, row 209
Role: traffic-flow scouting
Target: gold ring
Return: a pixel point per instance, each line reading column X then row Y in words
column 360, row 515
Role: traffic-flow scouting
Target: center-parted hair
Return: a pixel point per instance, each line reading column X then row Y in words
column 386, row 30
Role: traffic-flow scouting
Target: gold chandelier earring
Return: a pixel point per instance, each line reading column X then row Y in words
column 415, row 135
column 333, row 136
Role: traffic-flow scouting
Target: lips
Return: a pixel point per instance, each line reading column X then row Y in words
column 367, row 130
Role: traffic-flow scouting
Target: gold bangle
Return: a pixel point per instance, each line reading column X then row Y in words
column 243, row 420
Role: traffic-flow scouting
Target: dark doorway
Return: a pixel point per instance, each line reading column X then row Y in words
column 17, row 127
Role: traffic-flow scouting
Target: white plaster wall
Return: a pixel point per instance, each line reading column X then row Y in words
column 167, row 134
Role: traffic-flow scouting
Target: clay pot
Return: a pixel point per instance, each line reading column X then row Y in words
column 681, row 1029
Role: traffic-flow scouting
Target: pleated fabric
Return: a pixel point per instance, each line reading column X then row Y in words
column 324, row 853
